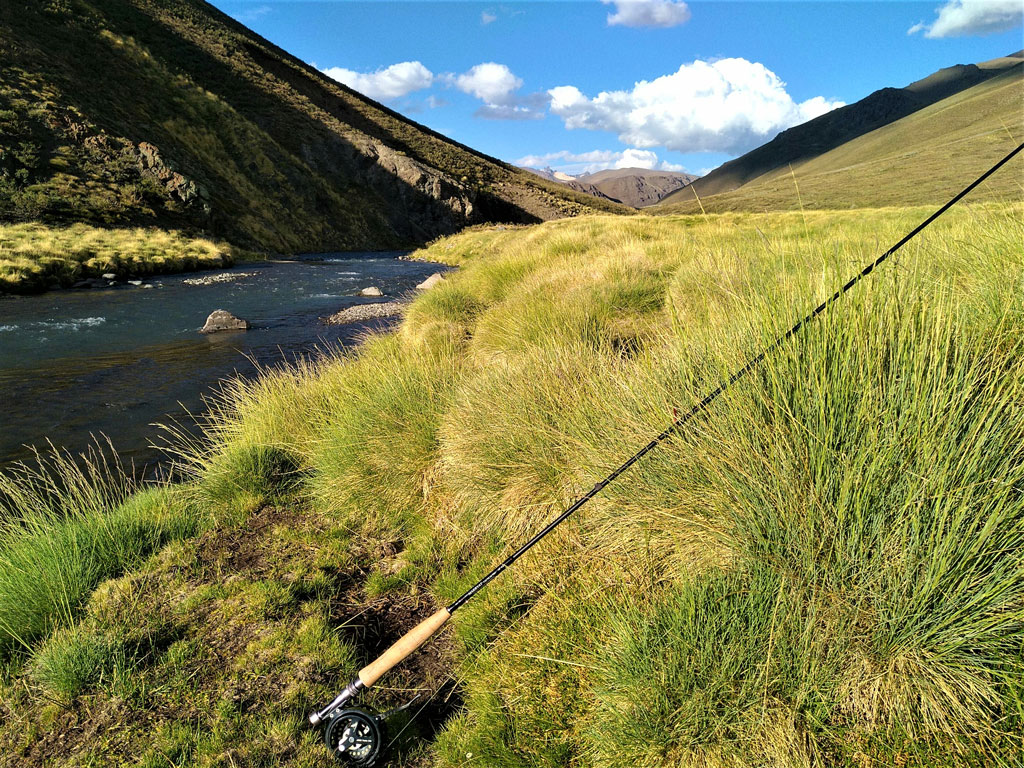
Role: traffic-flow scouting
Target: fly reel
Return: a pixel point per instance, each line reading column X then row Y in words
column 356, row 736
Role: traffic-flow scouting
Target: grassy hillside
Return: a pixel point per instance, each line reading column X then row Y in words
column 833, row 129
column 825, row 571
column 923, row 158
column 171, row 114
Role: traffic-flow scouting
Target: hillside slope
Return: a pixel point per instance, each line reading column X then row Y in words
column 138, row 112
column 830, row 131
column 921, row 159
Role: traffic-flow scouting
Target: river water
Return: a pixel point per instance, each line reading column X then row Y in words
column 78, row 364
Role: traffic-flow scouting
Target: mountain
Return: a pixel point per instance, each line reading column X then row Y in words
column 550, row 174
column 635, row 187
column 170, row 113
column 835, row 128
column 921, row 158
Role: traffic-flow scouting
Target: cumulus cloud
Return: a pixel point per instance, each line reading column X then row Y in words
column 491, row 83
column 385, row 84
column 497, row 87
column 598, row 160
column 648, row 13
column 960, row 18
column 730, row 105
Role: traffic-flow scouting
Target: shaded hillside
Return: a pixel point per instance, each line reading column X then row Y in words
column 921, row 159
column 137, row 112
column 635, row 187
column 833, row 129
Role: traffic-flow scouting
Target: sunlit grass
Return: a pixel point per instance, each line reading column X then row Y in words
column 34, row 257
column 823, row 570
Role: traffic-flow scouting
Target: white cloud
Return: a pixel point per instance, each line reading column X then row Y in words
column 508, row 112
column 385, row 84
column 598, row 160
column 648, row 13
column 496, row 86
column 486, row 17
column 730, row 105
column 254, row 14
column 959, row 18
column 491, row 83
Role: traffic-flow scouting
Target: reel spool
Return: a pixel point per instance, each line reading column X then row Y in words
column 355, row 736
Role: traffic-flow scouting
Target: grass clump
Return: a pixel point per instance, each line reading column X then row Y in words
column 73, row 661
column 34, row 257
column 65, row 528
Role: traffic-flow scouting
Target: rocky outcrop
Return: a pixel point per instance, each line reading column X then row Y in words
column 373, row 290
column 365, row 312
column 222, row 320
column 179, row 186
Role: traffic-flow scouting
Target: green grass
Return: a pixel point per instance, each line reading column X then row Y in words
column 66, row 527
column 823, row 571
column 923, row 158
column 34, row 257
column 214, row 130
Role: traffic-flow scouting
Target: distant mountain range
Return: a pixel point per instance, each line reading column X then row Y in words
column 169, row 113
column 636, row 187
column 916, row 107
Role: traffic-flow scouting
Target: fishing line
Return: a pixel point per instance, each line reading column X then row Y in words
column 355, row 735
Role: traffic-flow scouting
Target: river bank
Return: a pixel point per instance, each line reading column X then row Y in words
column 116, row 359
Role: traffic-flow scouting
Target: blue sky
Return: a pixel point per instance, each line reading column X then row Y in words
column 655, row 83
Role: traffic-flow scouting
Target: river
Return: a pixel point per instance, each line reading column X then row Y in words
column 77, row 364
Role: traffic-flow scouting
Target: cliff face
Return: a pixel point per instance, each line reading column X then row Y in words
column 169, row 113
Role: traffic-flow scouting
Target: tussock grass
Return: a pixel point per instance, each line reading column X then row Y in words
column 66, row 526
column 824, row 570
column 34, row 257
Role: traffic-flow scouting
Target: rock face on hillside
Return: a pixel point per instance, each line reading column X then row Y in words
column 169, row 113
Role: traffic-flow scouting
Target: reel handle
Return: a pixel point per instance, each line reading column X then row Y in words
column 401, row 649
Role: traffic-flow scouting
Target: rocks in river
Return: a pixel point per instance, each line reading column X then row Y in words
column 223, row 277
column 431, row 281
column 364, row 312
column 222, row 320
column 109, row 276
column 373, row 290
column 134, row 282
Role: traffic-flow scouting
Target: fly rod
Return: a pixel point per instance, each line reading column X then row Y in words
column 355, row 735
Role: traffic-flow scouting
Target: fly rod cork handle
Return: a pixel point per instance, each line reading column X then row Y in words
column 392, row 657
column 403, row 647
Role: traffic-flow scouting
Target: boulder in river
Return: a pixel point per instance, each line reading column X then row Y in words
column 431, row 281
column 373, row 290
column 222, row 320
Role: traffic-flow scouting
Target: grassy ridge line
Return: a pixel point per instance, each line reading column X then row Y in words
column 820, row 573
column 36, row 257
column 920, row 159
